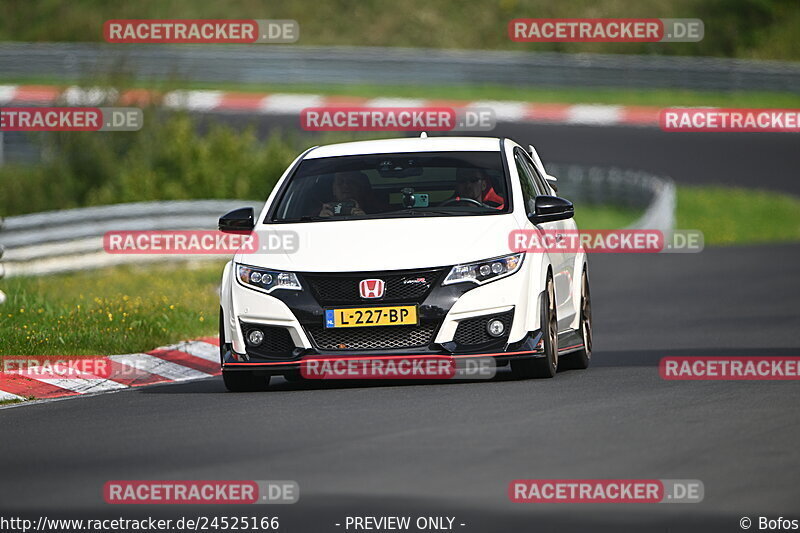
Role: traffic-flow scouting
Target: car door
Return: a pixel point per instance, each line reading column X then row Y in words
column 563, row 261
column 530, row 191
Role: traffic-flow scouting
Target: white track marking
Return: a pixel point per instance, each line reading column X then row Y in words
column 54, row 371
column 8, row 396
column 203, row 350
column 159, row 367
column 395, row 102
column 84, row 386
column 93, row 96
column 67, row 377
column 289, row 103
column 193, row 100
column 594, row 114
column 503, row 110
column 7, row 93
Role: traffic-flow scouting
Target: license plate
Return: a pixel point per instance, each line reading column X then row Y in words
column 356, row 317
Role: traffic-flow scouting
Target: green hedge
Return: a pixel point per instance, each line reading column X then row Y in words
column 169, row 159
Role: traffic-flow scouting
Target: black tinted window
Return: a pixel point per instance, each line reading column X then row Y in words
column 529, row 192
column 405, row 184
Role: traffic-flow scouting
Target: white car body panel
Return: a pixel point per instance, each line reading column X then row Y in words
column 362, row 245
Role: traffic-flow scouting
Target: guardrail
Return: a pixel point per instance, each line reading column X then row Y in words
column 73, row 224
column 623, row 187
column 391, row 66
column 61, row 241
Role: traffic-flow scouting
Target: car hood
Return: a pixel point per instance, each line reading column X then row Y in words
column 387, row 244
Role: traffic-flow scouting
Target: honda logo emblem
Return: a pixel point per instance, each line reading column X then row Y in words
column 371, row 288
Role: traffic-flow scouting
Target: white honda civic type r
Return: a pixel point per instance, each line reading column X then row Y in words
column 402, row 248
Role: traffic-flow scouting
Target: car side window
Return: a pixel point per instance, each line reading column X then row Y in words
column 529, row 192
column 538, row 180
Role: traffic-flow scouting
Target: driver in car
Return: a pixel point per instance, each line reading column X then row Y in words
column 474, row 185
column 352, row 195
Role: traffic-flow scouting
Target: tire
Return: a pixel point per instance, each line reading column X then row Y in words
column 580, row 360
column 543, row 367
column 239, row 381
column 222, row 346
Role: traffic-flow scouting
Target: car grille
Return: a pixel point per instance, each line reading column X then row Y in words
column 372, row 338
column 277, row 343
column 473, row 330
column 400, row 286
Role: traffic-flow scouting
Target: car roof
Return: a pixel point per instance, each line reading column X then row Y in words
column 407, row 144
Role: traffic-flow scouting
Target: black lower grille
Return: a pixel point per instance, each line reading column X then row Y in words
column 473, row 330
column 277, row 343
column 410, row 286
column 372, row 338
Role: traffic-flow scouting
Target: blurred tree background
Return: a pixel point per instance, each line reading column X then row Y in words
column 760, row 29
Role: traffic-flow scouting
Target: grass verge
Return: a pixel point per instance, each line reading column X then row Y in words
column 729, row 215
column 16, row 400
column 109, row 311
column 605, row 217
column 9, row 402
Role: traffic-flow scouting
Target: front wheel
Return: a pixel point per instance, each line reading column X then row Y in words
column 543, row 367
column 580, row 359
column 222, row 345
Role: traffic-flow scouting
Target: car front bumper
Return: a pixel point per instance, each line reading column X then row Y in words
column 452, row 321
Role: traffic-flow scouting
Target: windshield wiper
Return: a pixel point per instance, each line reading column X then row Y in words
column 306, row 218
column 400, row 212
column 426, row 212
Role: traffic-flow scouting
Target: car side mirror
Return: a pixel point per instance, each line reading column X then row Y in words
column 550, row 208
column 238, row 220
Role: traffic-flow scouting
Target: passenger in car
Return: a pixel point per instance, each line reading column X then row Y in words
column 475, row 184
column 352, row 195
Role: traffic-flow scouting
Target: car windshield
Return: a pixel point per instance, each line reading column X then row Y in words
column 394, row 185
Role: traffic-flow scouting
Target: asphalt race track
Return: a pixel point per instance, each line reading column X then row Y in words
column 452, row 448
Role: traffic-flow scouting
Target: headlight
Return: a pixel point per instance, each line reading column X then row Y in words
column 267, row 280
column 484, row 271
